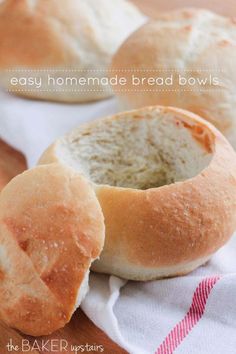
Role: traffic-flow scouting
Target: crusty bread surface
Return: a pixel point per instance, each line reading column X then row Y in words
column 186, row 43
column 64, row 39
column 166, row 182
column 51, row 230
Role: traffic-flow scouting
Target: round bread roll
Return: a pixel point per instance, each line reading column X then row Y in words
column 51, row 230
column 166, row 182
column 189, row 44
column 66, row 39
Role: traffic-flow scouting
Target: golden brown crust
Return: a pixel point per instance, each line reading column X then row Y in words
column 51, row 230
column 70, row 36
column 174, row 224
column 32, row 25
column 191, row 43
column 175, row 227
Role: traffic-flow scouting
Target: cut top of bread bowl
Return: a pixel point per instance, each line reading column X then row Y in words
column 166, row 182
column 51, row 230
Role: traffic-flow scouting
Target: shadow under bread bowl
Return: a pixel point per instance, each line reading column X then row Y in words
column 51, row 230
column 166, row 182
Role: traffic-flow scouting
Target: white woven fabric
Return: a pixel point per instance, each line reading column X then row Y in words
column 194, row 314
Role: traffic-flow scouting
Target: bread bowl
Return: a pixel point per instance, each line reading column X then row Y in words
column 166, row 182
column 193, row 43
column 51, row 230
column 62, row 39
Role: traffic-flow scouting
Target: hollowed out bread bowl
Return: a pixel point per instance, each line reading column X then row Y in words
column 166, row 182
column 51, row 230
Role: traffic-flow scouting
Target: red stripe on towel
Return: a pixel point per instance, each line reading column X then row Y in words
column 194, row 314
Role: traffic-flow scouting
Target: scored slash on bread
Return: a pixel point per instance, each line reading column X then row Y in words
column 58, row 42
column 190, row 43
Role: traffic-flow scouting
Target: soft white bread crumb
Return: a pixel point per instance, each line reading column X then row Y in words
column 141, row 153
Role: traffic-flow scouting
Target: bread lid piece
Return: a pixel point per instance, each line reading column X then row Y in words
column 51, row 230
column 166, row 181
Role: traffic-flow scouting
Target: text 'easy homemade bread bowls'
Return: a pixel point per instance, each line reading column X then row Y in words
column 51, row 230
column 62, row 39
column 196, row 45
column 166, row 182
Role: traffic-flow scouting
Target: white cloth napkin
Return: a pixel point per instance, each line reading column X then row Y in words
column 194, row 314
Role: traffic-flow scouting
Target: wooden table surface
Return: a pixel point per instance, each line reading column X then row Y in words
column 153, row 7
column 80, row 330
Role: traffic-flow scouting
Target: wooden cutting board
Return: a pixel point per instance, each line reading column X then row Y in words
column 81, row 331
column 12, row 163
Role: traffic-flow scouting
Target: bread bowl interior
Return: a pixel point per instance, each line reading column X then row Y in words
column 139, row 151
